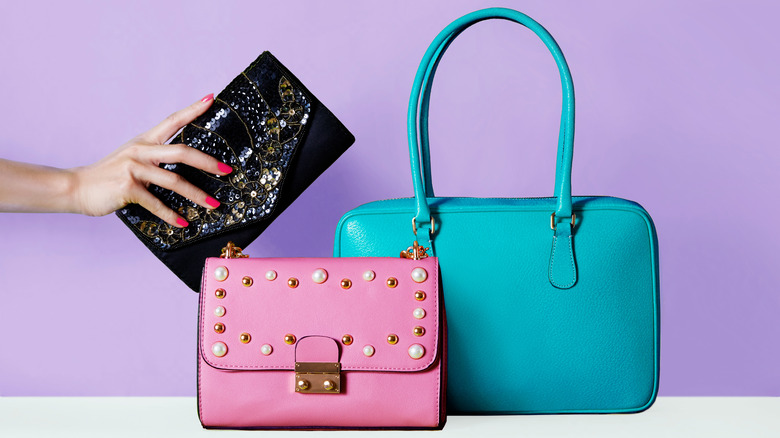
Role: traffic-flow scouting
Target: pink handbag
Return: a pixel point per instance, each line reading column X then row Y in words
column 321, row 343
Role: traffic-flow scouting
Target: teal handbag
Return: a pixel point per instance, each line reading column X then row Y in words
column 552, row 303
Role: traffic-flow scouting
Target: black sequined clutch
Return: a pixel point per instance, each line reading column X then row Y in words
column 277, row 137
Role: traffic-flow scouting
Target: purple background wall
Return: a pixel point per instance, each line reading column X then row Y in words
column 677, row 109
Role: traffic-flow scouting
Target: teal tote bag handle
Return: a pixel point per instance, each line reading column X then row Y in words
column 419, row 105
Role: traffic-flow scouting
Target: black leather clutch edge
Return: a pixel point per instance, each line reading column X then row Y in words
column 277, row 137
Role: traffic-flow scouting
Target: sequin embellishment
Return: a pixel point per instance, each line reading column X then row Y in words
column 255, row 134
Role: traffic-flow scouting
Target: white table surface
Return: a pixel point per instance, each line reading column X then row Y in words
column 711, row 417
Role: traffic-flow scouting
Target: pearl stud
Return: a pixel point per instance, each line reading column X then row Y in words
column 319, row 276
column 419, row 313
column 266, row 349
column 221, row 273
column 219, row 349
column 419, row 275
column 368, row 350
column 369, row 275
column 270, row 275
column 416, row 351
column 219, row 311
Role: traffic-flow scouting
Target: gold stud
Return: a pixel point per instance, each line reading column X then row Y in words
column 289, row 339
column 392, row 339
column 328, row 385
column 347, row 339
column 220, row 293
column 346, row 283
column 392, row 282
column 219, row 327
column 418, row 331
column 244, row 338
column 303, row 385
column 247, row 281
column 419, row 295
column 292, row 282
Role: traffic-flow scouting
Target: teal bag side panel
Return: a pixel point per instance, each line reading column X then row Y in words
column 516, row 343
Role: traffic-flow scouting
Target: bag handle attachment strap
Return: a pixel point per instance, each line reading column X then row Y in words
column 562, row 271
column 419, row 153
column 417, row 251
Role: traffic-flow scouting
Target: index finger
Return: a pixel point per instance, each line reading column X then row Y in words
column 168, row 127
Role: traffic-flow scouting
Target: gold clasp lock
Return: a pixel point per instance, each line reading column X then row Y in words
column 318, row 377
column 415, row 252
column 231, row 251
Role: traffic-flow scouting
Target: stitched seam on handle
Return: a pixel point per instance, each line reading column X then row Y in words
column 571, row 262
column 552, row 263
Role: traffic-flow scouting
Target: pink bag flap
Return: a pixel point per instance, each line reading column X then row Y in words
column 379, row 314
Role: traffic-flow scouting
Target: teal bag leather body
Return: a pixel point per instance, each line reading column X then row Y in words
column 552, row 303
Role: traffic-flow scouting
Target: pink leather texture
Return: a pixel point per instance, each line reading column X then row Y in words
column 246, row 376
column 317, row 349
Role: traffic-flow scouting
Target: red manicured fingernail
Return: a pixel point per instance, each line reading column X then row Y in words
column 212, row 202
column 208, row 97
column 182, row 223
column 224, row 168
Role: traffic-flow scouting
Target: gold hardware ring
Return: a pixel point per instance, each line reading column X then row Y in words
column 552, row 220
column 433, row 225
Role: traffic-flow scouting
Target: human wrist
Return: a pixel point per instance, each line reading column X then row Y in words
column 69, row 196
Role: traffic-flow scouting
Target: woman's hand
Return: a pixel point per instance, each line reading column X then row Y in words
column 123, row 177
